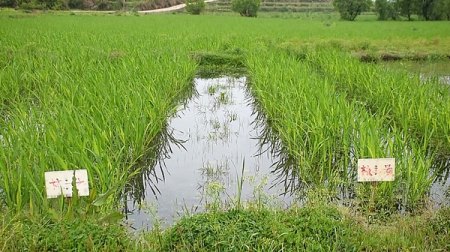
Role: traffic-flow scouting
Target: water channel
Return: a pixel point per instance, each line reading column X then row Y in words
column 426, row 69
column 215, row 139
column 217, row 143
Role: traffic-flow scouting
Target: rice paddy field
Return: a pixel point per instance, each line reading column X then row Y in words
column 96, row 92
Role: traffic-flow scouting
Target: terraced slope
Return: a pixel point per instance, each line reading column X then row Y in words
column 278, row 6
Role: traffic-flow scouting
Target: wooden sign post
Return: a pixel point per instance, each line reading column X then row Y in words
column 375, row 170
column 60, row 183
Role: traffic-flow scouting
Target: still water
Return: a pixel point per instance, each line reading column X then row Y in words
column 216, row 139
column 426, row 69
column 217, row 142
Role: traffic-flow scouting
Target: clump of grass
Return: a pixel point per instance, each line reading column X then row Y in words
column 314, row 227
column 377, row 49
column 259, row 230
column 213, row 64
column 31, row 232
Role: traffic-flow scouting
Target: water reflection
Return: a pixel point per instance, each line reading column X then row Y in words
column 288, row 173
column 203, row 152
column 151, row 167
column 285, row 165
column 440, row 189
column 218, row 134
column 439, row 69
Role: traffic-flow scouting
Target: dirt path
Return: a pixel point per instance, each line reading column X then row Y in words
column 168, row 9
column 172, row 8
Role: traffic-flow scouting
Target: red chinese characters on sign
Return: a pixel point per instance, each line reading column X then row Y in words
column 56, row 182
column 60, row 183
column 378, row 169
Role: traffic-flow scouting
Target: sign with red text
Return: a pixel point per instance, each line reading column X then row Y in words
column 376, row 169
column 60, row 183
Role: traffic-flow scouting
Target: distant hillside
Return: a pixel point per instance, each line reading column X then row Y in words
column 278, row 6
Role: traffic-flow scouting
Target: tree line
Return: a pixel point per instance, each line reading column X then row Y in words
column 395, row 9
column 64, row 4
column 348, row 9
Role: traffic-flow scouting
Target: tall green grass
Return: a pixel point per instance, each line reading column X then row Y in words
column 420, row 108
column 75, row 101
column 94, row 92
column 326, row 133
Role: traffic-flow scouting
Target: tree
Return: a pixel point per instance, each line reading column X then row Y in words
column 48, row 4
column 426, row 8
column 408, row 7
column 350, row 9
column 246, row 8
column 445, row 7
column 386, row 9
column 195, row 6
column 439, row 10
column 8, row 3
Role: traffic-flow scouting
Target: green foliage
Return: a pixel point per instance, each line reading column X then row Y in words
column 311, row 228
column 426, row 9
column 224, row 63
column 32, row 5
column 437, row 10
column 299, row 115
column 350, row 9
column 319, row 228
column 44, row 4
column 8, row 3
column 195, row 7
column 386, row 9
column 246, row 8
column 75, row 4
column 408, row 7
column 69, row 99
column 27, row 232
column 77, row 135
column 61, row 5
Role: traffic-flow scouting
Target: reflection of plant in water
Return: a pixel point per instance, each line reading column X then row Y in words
column 232, row 116
column 221, row 132
column 260, row 198
column 214, row 172
column 213, row 187
column 223, row 98
column 215, row 124
column 151, row 209
column 213, row 192
column 212, row 89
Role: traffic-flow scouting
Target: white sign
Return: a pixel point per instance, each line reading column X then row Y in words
column 60, row 182
column 377, row 169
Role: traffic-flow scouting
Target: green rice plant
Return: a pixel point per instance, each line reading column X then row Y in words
column 97, row 95
column 419, row 109
column 97, row 108
column 325, row 132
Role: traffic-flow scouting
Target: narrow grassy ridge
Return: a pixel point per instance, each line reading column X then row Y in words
column 315, row 227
